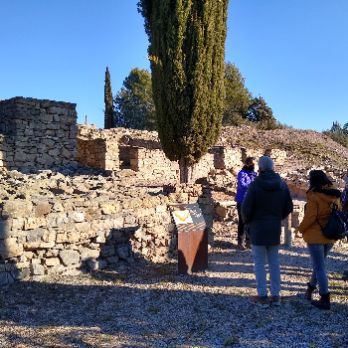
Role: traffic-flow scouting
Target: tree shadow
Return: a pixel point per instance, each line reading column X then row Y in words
column 121, row 312
column 145, row 304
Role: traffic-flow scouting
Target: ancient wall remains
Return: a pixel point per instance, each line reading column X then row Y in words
column 227, row 157
column 152, row 163
column 98, row 153
column 110, row 149
column 65, row 225
column 141, row 151
column 36, row 134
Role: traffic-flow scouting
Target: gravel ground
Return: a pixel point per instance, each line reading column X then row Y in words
column 152, row 306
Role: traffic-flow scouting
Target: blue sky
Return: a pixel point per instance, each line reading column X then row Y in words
column 292, row 52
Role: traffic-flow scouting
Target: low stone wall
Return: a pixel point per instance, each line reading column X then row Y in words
column 233, row 157
column 37, row 134
column 83, row 223
column 152, row 163
column 109, row 149
column 98, row 153
column 278, row 156
column 227, row 157
column 203, row 167
column 98, row 148
column 140, row 151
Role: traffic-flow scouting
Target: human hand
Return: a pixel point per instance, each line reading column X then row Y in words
column 297, row 233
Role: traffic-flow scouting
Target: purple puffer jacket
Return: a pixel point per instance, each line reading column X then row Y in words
column 244, row 179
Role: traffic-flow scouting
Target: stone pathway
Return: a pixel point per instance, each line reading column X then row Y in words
column 152, row 306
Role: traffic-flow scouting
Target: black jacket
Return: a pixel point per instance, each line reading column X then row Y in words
column 267, row 202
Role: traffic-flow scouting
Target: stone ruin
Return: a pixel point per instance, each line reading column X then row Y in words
column 62, row 225
column 120, row 148
column 36, row 133
column 77, row 198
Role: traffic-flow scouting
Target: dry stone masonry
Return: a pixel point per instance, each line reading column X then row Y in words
column 58, row 224
column 60, row 217
column 119, row 148
column 36, row 134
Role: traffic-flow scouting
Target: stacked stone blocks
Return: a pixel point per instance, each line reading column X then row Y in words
column 37, row 134
column 141, row 151
column 67, row 233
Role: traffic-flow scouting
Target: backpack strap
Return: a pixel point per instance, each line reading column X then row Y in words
column 333, row 206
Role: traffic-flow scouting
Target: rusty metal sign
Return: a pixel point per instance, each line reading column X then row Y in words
column 192, row 238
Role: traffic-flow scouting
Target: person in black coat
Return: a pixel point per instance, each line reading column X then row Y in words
column 267, row 202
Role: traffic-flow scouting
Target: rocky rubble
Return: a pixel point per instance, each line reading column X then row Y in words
column 56, row 223
column 305, row 150
column 73, row 218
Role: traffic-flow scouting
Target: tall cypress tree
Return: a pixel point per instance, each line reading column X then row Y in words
column 109, row 109
column 186, row 50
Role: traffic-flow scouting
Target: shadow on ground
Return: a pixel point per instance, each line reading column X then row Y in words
column 151, row 305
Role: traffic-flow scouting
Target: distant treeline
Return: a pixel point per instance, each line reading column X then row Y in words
column 133, row 105
column 338, row 133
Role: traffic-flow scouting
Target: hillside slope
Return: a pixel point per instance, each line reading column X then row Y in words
column 305, row 149
column 308, row 147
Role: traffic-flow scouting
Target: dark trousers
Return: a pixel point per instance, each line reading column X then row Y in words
column 241, row 230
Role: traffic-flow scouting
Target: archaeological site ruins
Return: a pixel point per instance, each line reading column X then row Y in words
column 75, row 198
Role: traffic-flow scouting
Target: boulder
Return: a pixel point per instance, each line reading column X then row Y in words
column 69, row 257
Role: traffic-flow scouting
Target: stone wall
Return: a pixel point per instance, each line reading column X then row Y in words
column 203, row 167
column 36, row 134
column 233, row 157
column 98, row 153
column 140, row 151
column 152, row 163
column 64, row 225
column 109, row 149
column 227, row 157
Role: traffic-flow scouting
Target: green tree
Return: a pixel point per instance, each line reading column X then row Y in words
column 109, row 108
column 260, row 113
column 186, row 51
column 134, row 102
column 338, row 133
column 237, row 97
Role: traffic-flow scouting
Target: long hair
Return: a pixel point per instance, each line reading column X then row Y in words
column 318, row 179
column 249, row 164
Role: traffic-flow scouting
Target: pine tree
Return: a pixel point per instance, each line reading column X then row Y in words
column 338, row 133
column 237, row 97
column 134, row 107
column 261, row 113
column 186, row 51
column 109, row 109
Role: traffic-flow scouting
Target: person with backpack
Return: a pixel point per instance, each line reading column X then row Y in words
column 344, row 201
column 245, row 177
column 320, row 197
column 344, row 196
column 266, row 204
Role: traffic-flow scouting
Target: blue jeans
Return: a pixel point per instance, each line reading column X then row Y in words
column 259, row 255
column 318, row 254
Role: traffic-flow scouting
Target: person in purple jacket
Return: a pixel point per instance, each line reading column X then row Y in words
column 245, row 177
